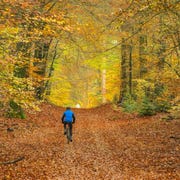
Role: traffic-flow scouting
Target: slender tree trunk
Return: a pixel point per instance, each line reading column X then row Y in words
column 87, row 93
column 123, row 72
column 103, row 86
column 130, row 68
column 142, row 55
column 162, row 44
column 47, row 87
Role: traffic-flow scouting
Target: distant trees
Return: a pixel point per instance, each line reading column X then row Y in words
column 154, row 54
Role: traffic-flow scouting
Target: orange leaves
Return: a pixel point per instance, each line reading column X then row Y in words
column 142, row 148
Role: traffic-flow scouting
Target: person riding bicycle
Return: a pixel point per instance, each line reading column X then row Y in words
column 68, row 118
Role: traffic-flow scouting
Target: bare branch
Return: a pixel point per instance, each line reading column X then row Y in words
column 119, row 14
column 136, row 32
column 13, row 161
column 52, row 6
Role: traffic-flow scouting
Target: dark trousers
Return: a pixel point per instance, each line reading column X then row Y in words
column 70, row 127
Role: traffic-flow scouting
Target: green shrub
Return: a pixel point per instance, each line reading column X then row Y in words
column 146, row 108
column 129, row 104
column 162, row 106
column 15, row 110
column 175, row 111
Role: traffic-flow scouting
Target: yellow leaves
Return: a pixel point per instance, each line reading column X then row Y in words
column 51, row 26
column 8, row 32
column 140, row 86
column 50, row 20
column 49, row 31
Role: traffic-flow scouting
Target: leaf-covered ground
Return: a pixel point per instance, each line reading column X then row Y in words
column 107, row 144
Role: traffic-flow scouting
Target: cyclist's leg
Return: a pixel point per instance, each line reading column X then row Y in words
column 68, row 132
column 65, row 128
column 70, row 126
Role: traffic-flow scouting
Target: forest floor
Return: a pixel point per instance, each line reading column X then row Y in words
column 107, row 144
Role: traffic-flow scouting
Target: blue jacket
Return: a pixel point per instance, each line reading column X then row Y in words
column 68, row 116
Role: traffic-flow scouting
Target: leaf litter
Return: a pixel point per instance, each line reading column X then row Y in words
column 125, row 147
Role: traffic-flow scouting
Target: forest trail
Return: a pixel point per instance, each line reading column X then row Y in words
column 107, row 144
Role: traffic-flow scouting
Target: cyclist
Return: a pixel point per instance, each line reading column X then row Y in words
column 68, row 118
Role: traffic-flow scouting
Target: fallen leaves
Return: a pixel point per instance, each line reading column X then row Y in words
column 139, row 148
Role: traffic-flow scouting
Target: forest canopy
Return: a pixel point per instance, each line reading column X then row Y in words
column 90, row 52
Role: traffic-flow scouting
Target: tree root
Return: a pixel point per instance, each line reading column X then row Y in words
column 13, row 161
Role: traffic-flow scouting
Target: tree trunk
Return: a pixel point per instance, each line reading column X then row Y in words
column 130, row 69
column 51, row 69
column 41, row 54
column 21, row 70
column 162, row 44
column 126, row 70
column 103, row 86
column 142, row 55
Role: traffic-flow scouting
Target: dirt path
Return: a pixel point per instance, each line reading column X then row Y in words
column 106, row 145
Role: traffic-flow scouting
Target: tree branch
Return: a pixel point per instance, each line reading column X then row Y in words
column 136, row 32
column 52, row 6
column 120, row 13
column 176, row 71
column 13, row 161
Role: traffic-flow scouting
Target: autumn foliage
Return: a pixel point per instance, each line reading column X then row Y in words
column 116, row 60
column 90, row 53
